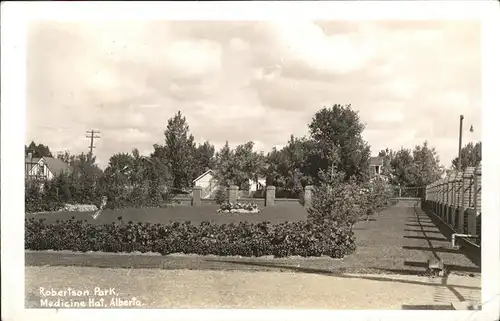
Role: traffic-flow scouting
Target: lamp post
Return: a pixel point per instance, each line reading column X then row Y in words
column 459, row 167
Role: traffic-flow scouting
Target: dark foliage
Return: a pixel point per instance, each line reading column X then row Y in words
column 245, row 239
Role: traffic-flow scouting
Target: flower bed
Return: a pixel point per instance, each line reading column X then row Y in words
column 227, row 207
column 245, row 239
column 78, row 208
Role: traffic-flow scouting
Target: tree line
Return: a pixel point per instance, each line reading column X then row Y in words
column 334, row 141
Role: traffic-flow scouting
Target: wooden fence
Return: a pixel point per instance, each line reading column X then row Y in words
column 456, row 199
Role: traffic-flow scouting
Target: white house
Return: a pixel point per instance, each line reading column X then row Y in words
column 45, row 168
column 209, row 184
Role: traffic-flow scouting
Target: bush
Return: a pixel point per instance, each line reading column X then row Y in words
column 238, row 208
column 245, row 239
column 336, row 200
column 220, row 195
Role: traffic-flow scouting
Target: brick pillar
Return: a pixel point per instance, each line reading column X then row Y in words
column 308, row 195
column 270, row 195
column 232, row 193
column 196, row 196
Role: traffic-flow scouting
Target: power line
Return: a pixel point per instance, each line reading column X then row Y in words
column 92, row 134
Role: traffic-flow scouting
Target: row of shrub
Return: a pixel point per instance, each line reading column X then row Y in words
column 52, row 195
column 303, row 238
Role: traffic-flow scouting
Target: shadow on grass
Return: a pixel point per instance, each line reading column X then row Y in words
column 431, row 249
column 421, row 225
column 340, row 273
column 426, row 238
column 451, row 267
column 423, row 231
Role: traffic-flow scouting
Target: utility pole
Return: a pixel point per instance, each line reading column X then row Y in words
column 92, row 134
column 460, row 144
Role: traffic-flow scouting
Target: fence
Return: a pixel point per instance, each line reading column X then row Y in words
column 456, row 199
column 234, row 195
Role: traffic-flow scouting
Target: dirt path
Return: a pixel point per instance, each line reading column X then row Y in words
column 243, row 289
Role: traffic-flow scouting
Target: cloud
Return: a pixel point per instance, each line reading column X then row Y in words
column 242, row 81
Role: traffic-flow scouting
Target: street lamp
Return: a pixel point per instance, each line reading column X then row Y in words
column 459, row 167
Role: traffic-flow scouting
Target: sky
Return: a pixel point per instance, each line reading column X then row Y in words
column 251, row 81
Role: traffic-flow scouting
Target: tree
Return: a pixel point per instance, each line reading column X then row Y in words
column 336, row 132
column 204, row 158
column 37, row 151
column 401, row 165
column 336, row 199
column 289, row 169
column 426, row 168
column 388, row 156
column 178, row 153
column 238, row 166
column 471, row 156
column 223, row 165
column 84, row 179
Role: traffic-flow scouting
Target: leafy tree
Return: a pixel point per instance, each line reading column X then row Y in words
column 178, row 153
column 471, row 156
column 426, row 168
column 401, row 166
column 337, row 132
column 223, row 164
column 238, row 166
column 38, row 151
column 289, row 169
column 205, row 158
column 83, row 180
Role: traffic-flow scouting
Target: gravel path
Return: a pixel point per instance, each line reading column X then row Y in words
column 242, row 289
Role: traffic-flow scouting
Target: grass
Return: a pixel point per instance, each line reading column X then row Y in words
column 195, row 214
column 384, row 245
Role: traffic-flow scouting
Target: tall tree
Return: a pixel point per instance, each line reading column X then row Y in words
column 178, row 152
column 37, row 151
column 471, row 156
column 337, row 133
column 224, row 166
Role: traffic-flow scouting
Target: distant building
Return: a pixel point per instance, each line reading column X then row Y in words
column 376, row 164
column 45, row 168
column 209, row 184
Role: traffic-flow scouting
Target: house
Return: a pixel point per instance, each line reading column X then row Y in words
column 376, row 164
column 45, row 168
column 208, row 182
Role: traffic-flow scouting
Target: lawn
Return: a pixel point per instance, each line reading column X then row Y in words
column 195, row 214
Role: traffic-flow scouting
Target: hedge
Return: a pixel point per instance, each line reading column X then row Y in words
column 245, row 239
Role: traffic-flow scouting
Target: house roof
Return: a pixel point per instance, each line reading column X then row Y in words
column 55, row 165
column 203, row 175
column 376, row 161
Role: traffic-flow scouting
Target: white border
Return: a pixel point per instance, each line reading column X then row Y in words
column 14, row 18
